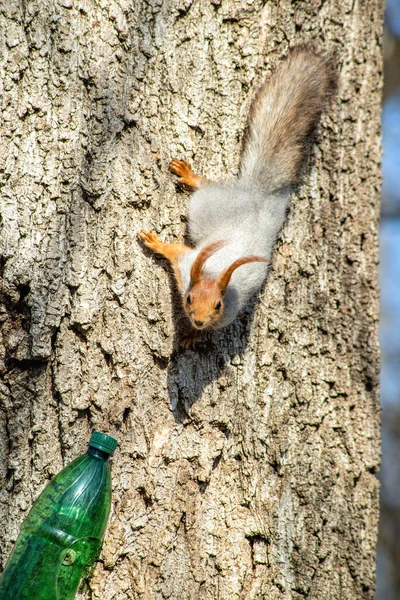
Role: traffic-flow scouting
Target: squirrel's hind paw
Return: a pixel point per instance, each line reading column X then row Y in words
column 183, row 169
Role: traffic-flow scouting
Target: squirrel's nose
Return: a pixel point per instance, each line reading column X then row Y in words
column 199, row 323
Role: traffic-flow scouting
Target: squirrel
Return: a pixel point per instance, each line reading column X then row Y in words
column 234, row 227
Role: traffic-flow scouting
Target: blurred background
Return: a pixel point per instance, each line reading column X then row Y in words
column 388, row 576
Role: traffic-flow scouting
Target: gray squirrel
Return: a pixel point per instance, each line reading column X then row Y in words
column 234, row 227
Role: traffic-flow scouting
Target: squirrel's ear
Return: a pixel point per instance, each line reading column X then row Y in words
column 225, row 277
column 197, row 267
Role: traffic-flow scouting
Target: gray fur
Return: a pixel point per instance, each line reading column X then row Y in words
column 283, row 117
column 249, row 215
column 249, row 222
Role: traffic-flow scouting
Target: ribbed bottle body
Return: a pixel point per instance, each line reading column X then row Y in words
column 61, row 537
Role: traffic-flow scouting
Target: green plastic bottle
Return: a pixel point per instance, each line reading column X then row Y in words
column 61, row 537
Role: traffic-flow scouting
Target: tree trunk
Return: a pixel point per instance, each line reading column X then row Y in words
column 245, row 469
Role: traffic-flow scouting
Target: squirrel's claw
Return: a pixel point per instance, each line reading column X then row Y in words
column 150, row 240
column 189, row 339
column 183, row 169
column 180, row 167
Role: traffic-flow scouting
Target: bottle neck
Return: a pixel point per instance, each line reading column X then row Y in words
column 99, row 454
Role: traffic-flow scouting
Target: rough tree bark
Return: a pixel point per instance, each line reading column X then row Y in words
column 245, row 469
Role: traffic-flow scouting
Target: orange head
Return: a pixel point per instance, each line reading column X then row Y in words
column 204, row 302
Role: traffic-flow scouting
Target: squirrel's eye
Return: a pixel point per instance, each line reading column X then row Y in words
column 218, row 305
column 188, row 299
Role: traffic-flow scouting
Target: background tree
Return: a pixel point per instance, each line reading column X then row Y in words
column 388, row 555
column 245, row 469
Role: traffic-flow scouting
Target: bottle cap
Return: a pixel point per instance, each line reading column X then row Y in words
column 103, row 442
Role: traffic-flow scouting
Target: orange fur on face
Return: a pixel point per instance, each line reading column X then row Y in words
column 205, row 305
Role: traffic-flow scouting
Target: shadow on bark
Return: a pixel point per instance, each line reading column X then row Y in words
column 191, row 371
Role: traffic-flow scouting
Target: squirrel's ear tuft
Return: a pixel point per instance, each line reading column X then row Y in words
column 196, row 271
column 225, row 277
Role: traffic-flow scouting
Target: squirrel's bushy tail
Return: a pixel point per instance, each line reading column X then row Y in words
column 283, row 116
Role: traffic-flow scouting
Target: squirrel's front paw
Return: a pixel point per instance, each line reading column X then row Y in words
column 190, row 338
column 150, row 240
